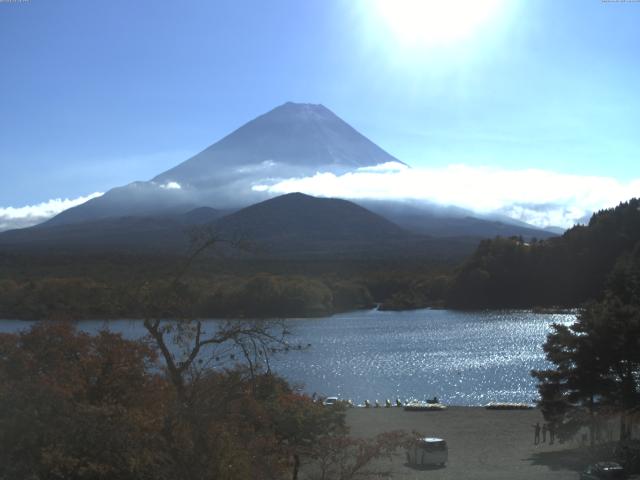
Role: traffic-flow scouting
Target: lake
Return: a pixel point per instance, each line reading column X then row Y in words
column 463, row 358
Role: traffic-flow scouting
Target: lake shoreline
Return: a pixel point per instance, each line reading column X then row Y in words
column 324, row 315
column 463, row 358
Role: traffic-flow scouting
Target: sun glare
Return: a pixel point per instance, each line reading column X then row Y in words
column 427, row 23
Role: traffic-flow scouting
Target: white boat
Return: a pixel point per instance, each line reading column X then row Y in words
column 507, row 406
column 417, row 406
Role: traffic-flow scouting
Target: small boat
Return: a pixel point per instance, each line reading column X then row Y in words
column 508, row 406
column 417, row 406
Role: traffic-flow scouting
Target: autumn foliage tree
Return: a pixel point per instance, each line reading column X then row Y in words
column 80, row 406
column 73, row 405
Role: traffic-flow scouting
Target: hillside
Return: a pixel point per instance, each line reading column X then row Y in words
column 441, row 221
column 562, row 271
column 161, row 234
column 295, row 221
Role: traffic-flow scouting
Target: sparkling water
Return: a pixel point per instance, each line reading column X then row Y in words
column 463, row 358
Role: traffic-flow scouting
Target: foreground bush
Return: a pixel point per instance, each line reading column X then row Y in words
column 77, row 406
column 91, row 407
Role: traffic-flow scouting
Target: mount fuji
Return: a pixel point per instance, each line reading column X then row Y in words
column 221, row 186
column 291, row 140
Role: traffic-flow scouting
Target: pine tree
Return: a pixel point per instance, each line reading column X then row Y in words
column 597, row 359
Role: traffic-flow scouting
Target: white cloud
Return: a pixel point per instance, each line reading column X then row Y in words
column 536, row 196
column 386, row 167
column 21, row 217
column 171, row 186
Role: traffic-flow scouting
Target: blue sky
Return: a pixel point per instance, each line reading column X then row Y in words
column 99, row 94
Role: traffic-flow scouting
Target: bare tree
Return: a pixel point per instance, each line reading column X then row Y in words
column 186, row 345
column 342, row 457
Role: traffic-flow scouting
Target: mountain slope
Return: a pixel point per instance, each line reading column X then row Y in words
column 296, row 217
column 290, row 140
column 151, row 234
column 302, row 138
column 298, row 225
column 289, row 222
column 565, row 271
column 293, row 225
column 438, row 221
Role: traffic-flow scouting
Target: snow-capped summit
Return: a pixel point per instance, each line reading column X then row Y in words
column 292, row 138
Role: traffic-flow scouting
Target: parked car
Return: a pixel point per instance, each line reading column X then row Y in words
column 603, row 470
column 428, row 451
column 330, row 401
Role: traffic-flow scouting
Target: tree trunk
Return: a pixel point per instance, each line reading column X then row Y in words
column 296, row 465
column 591, row 422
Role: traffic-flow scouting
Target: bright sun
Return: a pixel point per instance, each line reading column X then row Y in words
column 427, row 23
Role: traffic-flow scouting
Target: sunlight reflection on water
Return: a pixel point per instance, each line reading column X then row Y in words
column 464, row 358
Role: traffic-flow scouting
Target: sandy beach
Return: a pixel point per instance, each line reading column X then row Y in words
column 483, row 444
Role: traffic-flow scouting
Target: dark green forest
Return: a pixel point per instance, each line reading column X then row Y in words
column 91, row 286
column 509, row 272
column 596, row 363
column 564, row 271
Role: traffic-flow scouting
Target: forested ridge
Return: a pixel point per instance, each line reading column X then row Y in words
column 509, row 272
column 89, row 286
column 562, row 271
column 595, row 376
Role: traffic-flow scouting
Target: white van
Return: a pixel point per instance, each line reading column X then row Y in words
column 428, row 451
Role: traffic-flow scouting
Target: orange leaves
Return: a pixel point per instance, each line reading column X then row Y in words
column 76, row 404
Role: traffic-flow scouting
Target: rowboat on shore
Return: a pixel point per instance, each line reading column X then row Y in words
column 507, row 406
column 418, row 406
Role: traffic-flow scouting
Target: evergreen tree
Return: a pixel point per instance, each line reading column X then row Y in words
column 597, row 359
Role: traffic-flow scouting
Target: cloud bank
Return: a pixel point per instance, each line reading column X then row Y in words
column 542, row 198
column 539, row 197
column 21, row 217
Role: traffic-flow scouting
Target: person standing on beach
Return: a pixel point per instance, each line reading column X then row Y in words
column 536, row 433
column 544, row 432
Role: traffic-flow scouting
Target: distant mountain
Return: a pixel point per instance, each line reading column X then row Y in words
column 292, row 225
column 296, row 220
column 299, row 225
column 555, row 230
column 291, row 140
column 150, row 234
column 202, row 215
column 439, row 221
column 292, row 222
